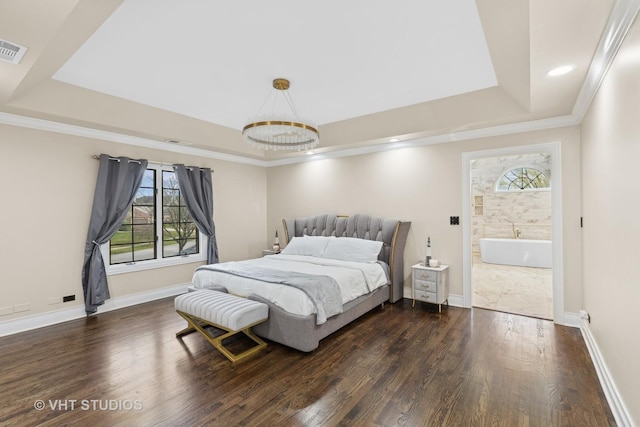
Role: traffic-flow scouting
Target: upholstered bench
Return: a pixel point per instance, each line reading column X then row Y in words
column 224, row 311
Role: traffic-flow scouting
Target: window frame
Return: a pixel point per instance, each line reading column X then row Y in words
column 159, row 261
column 520, row 190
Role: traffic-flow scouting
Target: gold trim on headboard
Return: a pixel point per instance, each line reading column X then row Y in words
column 286, row 232
column 391, row 259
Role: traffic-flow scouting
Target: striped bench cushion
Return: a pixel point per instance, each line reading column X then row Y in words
column 230, row 311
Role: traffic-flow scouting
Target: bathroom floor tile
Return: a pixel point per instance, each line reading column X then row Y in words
column 520, row 290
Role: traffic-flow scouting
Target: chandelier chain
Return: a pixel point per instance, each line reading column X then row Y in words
column 276, row 132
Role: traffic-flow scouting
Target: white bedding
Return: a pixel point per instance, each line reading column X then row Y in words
column 354, row 278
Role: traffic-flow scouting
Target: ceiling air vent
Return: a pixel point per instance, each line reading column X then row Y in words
column 11, row 52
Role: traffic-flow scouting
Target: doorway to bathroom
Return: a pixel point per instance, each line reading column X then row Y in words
column 511, row 208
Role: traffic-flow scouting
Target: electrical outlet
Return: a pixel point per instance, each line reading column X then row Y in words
column 586, row 316
column 69, row 298
column 454, row 220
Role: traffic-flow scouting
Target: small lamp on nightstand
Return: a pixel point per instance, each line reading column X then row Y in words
column 276, row 242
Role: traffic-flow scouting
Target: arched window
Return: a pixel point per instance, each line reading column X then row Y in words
column 523, row 178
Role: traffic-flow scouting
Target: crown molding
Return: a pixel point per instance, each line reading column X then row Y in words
column 67, row 129
column 508, row 129
column 616, row 29
column 620, row 21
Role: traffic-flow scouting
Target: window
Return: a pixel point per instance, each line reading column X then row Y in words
column 136, row 238
column 158, row 230
column 179, row 233
column 524, row 178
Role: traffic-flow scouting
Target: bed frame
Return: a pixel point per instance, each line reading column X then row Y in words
column 302, row 332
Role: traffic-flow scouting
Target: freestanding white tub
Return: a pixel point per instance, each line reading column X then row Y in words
column 520, row 252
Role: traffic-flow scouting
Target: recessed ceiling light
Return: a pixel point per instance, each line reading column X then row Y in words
column 558, row 71
column 394, row 140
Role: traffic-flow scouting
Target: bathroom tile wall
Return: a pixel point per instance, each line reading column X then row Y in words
column 496, row 214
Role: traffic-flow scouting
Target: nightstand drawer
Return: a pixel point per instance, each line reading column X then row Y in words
column 426, row 296
column 430, row 284
column 428, row 275
column 423, row 285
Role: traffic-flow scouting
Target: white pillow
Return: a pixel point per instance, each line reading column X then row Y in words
column 306, row 236
column 307, row 245
column 353, row 249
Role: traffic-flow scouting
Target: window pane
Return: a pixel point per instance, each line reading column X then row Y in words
column 143, row 214
column 180, row 247
column 185, row 216
column 179, row 233
column 144, row 251
column 521, row 179
column 144, row 233
column 170, row 197
column 148, row 179
column 123, row 235
column 170, row 250
column 169, row 180
column 190, row 247
column 541, row 181
column 135, row 240
column 128, row 219
column 144, row 196
column 170, row 232
column 121, row 254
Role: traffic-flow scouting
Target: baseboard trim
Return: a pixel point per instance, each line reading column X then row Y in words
column 570, row 319
column 456, row 300
column 28, row 323
column 620, row 412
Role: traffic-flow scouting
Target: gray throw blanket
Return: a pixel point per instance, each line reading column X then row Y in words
column 323, row 291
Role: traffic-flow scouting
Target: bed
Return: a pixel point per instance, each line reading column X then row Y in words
column 333, row 270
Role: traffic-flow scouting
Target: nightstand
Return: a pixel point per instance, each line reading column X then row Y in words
column 430, row 284
column 269, row 252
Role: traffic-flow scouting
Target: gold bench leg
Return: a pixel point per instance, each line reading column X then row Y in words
column 197, row 324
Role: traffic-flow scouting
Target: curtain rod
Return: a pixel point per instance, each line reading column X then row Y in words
column 97, row 157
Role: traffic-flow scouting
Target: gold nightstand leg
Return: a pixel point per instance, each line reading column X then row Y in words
column 413, row 304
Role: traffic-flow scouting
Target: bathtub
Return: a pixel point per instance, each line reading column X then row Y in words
column 520, row 252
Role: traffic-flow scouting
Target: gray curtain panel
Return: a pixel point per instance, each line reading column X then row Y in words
column 118, row 181
column 197, row 190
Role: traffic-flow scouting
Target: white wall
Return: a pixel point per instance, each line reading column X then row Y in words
column 48, row 181
column 610, row 135
column 422, row 185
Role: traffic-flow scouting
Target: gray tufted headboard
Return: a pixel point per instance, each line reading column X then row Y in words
column 392, row 232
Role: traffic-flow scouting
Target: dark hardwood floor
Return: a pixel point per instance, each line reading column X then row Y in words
column 395, row 366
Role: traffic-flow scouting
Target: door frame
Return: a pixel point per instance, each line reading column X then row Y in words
column 554, row 149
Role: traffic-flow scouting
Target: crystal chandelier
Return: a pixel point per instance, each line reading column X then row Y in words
column 276, row 132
